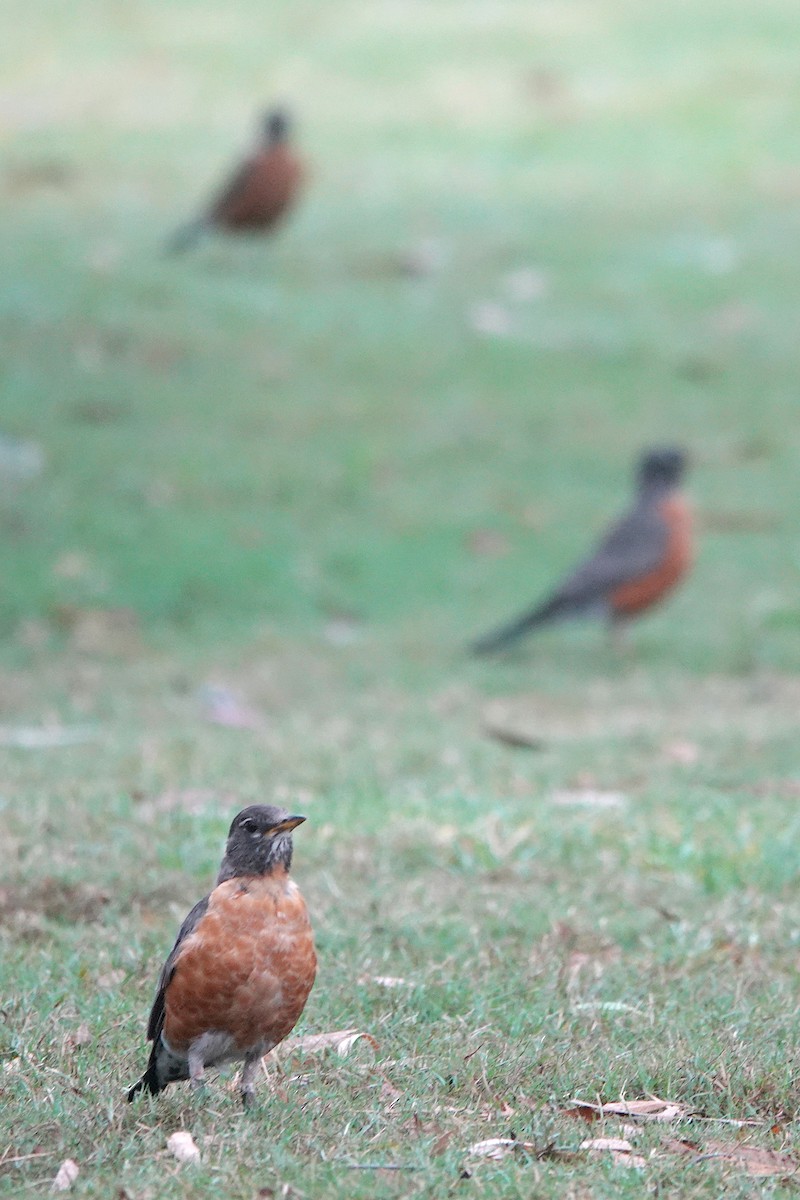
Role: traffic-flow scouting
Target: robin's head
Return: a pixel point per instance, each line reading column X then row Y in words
column 276, row 125
column 260, row 838
column 662, row 468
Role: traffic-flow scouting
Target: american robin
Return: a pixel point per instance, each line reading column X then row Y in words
column 258, row 193
column 640, row 559
column 239, row 974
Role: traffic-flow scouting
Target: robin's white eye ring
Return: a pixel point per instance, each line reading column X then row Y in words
column 250, row 825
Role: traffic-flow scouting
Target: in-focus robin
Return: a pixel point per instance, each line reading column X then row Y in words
column 239, row 974
column 641, row 558
column 259, row 192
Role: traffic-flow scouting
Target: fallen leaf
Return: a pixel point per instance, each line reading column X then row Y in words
column 389, row 1093
column 387, row 981
column 491, row 319
column 548, row 88
column 111, row 979
column 161, row 354
column 441, row 1144
column 32, row 737
column 56, row 900
column 97, row 411
column 223, row 707
column 488, row 543
column 525, row 284
column 592, row 956
column 20, row 460
column 104, row 257
column 652, row 1109
column 731, row 319
column 685, row 754
column 33, row 633
column 72, row 564
column 601, row 1005
column 159, row 493
column 515, row 736
column 424, row 258
column 66, row 1175
column 589, row 798
column 498, row 1148
column 788, row 788
column 183, row 1146
column 39, row 173
column 606, row 1143
column 680, row 1146
column 712, row 253
column 621, row 1151
column 106, row 632
column 754, row 1159
column 340, row 1040
column 82, row 1036
column 343, row 630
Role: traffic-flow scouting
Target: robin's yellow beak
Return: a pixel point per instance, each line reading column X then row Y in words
column 284, row 827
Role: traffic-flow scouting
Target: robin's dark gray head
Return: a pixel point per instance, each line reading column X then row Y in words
column 260, row 839
column 662, row 468
column 276, row 125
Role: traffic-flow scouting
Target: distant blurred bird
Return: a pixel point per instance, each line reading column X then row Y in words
column 641, row 558
column 258, row 194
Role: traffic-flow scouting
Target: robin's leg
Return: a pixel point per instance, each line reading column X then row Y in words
column 196, row 1068
column 246, row 1085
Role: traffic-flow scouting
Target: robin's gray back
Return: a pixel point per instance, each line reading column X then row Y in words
column 632, row 548
column 232, row 189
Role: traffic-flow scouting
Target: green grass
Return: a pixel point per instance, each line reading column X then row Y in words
column 249, row 445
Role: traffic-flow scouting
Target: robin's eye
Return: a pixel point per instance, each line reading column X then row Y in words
column 249, row 825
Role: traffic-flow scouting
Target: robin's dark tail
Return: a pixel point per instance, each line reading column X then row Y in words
column 148, row 1082
column 187, row 237
column 501, row 639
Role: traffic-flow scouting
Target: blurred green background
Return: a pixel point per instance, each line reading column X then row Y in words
column 536, row 238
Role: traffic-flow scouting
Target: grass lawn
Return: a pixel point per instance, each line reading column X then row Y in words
column 307, row 471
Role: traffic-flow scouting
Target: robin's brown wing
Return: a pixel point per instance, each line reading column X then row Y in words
column 156, row 1021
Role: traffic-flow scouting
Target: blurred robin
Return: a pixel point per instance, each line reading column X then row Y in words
column 259, row 193
column 239, row 974
column 641, row 558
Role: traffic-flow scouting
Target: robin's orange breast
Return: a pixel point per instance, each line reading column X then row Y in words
column 638, row 594
column 265, row 191
column 247, row 968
